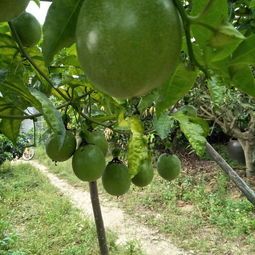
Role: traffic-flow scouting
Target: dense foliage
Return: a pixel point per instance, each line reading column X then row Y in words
column 9, row 151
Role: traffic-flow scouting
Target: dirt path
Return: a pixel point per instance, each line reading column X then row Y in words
column 152, row 243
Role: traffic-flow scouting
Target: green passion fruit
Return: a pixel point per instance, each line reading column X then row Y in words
column 145, row 174
column 169, row 166
column 88, row 163
column 58, row 150
column 28, row 29
column 11, row 8
column 97, row 138
column 116, row 179
column 128, row 48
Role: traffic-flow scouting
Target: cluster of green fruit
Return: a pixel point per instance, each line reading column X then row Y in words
column 26, row 26
column 89, row 164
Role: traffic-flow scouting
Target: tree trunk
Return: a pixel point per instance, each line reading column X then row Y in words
column 249, row 150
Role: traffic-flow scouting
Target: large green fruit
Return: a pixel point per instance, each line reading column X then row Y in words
column 88, row 163
column 145, row 174
column 127, row 48
column 58, row 150
column 11, row 8
column 116, row 179
column 169, row 166
column 28, row 29
column 98, row 139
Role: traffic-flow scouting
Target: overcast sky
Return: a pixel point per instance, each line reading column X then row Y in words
column 39, row 13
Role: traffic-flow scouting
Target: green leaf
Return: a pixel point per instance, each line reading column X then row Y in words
column 245, row 53
column 11, row 127
column 210, row 13
column 217, row 91
column 50, row 113
column 180, row 84
column 59, row 27
column 36, row 55
column 252, row 4
column 243, row 79
column 226, row 34
column 13, row 81
column 137, row 152
column 7, row 47
column 189, row 110
column 193, row 131
column 137, row 144
column 225, row 40
column 163, row 125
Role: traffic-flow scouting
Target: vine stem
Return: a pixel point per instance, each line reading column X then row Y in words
column 37, row 115
column 30, row 60
column 24, row 52
column 186, row 25
column 98, row 218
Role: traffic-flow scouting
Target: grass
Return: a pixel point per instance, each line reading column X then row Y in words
column 36, row 219
column 200, row 211
column 197, row 218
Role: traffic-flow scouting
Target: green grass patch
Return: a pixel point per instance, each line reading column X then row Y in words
column 198, row 210
column 36, row 219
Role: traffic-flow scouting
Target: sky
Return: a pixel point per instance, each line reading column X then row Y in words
column 39, row 13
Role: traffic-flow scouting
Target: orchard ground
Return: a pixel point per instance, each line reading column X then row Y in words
column 201, row 211
column 35, row 218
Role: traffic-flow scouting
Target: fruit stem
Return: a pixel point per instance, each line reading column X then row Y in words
column 98, row 218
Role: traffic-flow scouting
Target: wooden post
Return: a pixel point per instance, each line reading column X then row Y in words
column 240, row 183
column 98, row 218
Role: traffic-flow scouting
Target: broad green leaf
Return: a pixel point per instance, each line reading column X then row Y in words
column 224, row 35
column 193, row 131
column 208, row 10
column 189, row 110
column 181, row 82
column 137, row 152
column 13, row 81
column 163, row 125
column 252, row 4
column 217, row 91
column 245, row 53
column 7, row 47
column 136, row 125
column 59, row 27
column 137, row 144
column 211, row 14
column 4, row 105
column 243, row 79
column 50, row 113
column 225, row 40
column 11, row 127
column 36, row 55
column 122, row 122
